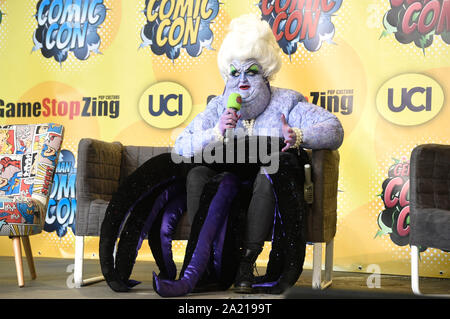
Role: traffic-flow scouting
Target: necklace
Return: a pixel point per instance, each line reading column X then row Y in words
column 248, row 124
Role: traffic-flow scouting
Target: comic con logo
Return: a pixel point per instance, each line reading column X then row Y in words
column 1, row 16
column 418, row 21
column 62, row 204
column 176, row 24
column 68, row 26
column 306, row 22
column 410, row 99
column 394, row 219
column 165, row 105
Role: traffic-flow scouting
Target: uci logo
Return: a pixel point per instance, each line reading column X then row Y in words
column 410, row 99
column 406, row 99
column 165, row 105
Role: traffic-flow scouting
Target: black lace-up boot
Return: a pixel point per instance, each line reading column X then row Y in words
column 245, row 277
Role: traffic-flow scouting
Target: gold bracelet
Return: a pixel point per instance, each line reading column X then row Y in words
column 298, row 137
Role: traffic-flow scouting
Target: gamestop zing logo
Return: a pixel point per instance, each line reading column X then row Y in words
column 96, row 106
column 165, row 105
column 410, row 99
column 335, row 101
column 68, row 25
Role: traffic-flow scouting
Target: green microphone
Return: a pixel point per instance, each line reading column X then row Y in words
column 234, row 102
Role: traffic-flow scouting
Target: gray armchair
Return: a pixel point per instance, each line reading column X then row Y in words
column 429, row 203
column 101, row 166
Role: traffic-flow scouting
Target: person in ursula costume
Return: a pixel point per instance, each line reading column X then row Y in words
column 232, row 205
column 248, row 60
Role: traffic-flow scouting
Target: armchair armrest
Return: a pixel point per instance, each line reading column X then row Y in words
column 321, row 218
column 430, row 196
column 98, row 176
column 429, row 168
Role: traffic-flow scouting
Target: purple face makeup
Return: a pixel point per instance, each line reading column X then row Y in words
column 247, row 79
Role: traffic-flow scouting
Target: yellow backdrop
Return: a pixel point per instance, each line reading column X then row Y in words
column 364, row 71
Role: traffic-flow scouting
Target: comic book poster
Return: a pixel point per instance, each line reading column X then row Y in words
column 26, row 174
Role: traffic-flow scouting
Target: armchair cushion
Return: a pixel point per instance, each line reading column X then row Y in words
column 431, row 228
column 20, row 216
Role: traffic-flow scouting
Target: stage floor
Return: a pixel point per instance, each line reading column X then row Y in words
column 54, row 281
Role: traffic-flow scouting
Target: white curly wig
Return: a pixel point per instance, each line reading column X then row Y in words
column 249, row 37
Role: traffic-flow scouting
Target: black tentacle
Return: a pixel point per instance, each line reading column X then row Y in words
column 139, row 223
column 147, row 182
column 289, row 245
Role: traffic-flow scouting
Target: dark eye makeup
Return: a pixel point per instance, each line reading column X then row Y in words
column 254, row 69
column 234, row 72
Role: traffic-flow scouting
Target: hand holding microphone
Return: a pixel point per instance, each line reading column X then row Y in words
column 230, row 117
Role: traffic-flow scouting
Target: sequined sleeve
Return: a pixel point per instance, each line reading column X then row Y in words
column 320, row 128
column 200, row 131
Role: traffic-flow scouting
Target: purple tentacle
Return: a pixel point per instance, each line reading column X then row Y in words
column 218, row 246
column 172, row 215
column 217, row 213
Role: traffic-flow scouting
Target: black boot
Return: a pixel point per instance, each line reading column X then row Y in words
column 245, row 278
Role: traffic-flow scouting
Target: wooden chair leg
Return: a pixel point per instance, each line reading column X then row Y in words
column 18, row 260
column 29, row 254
